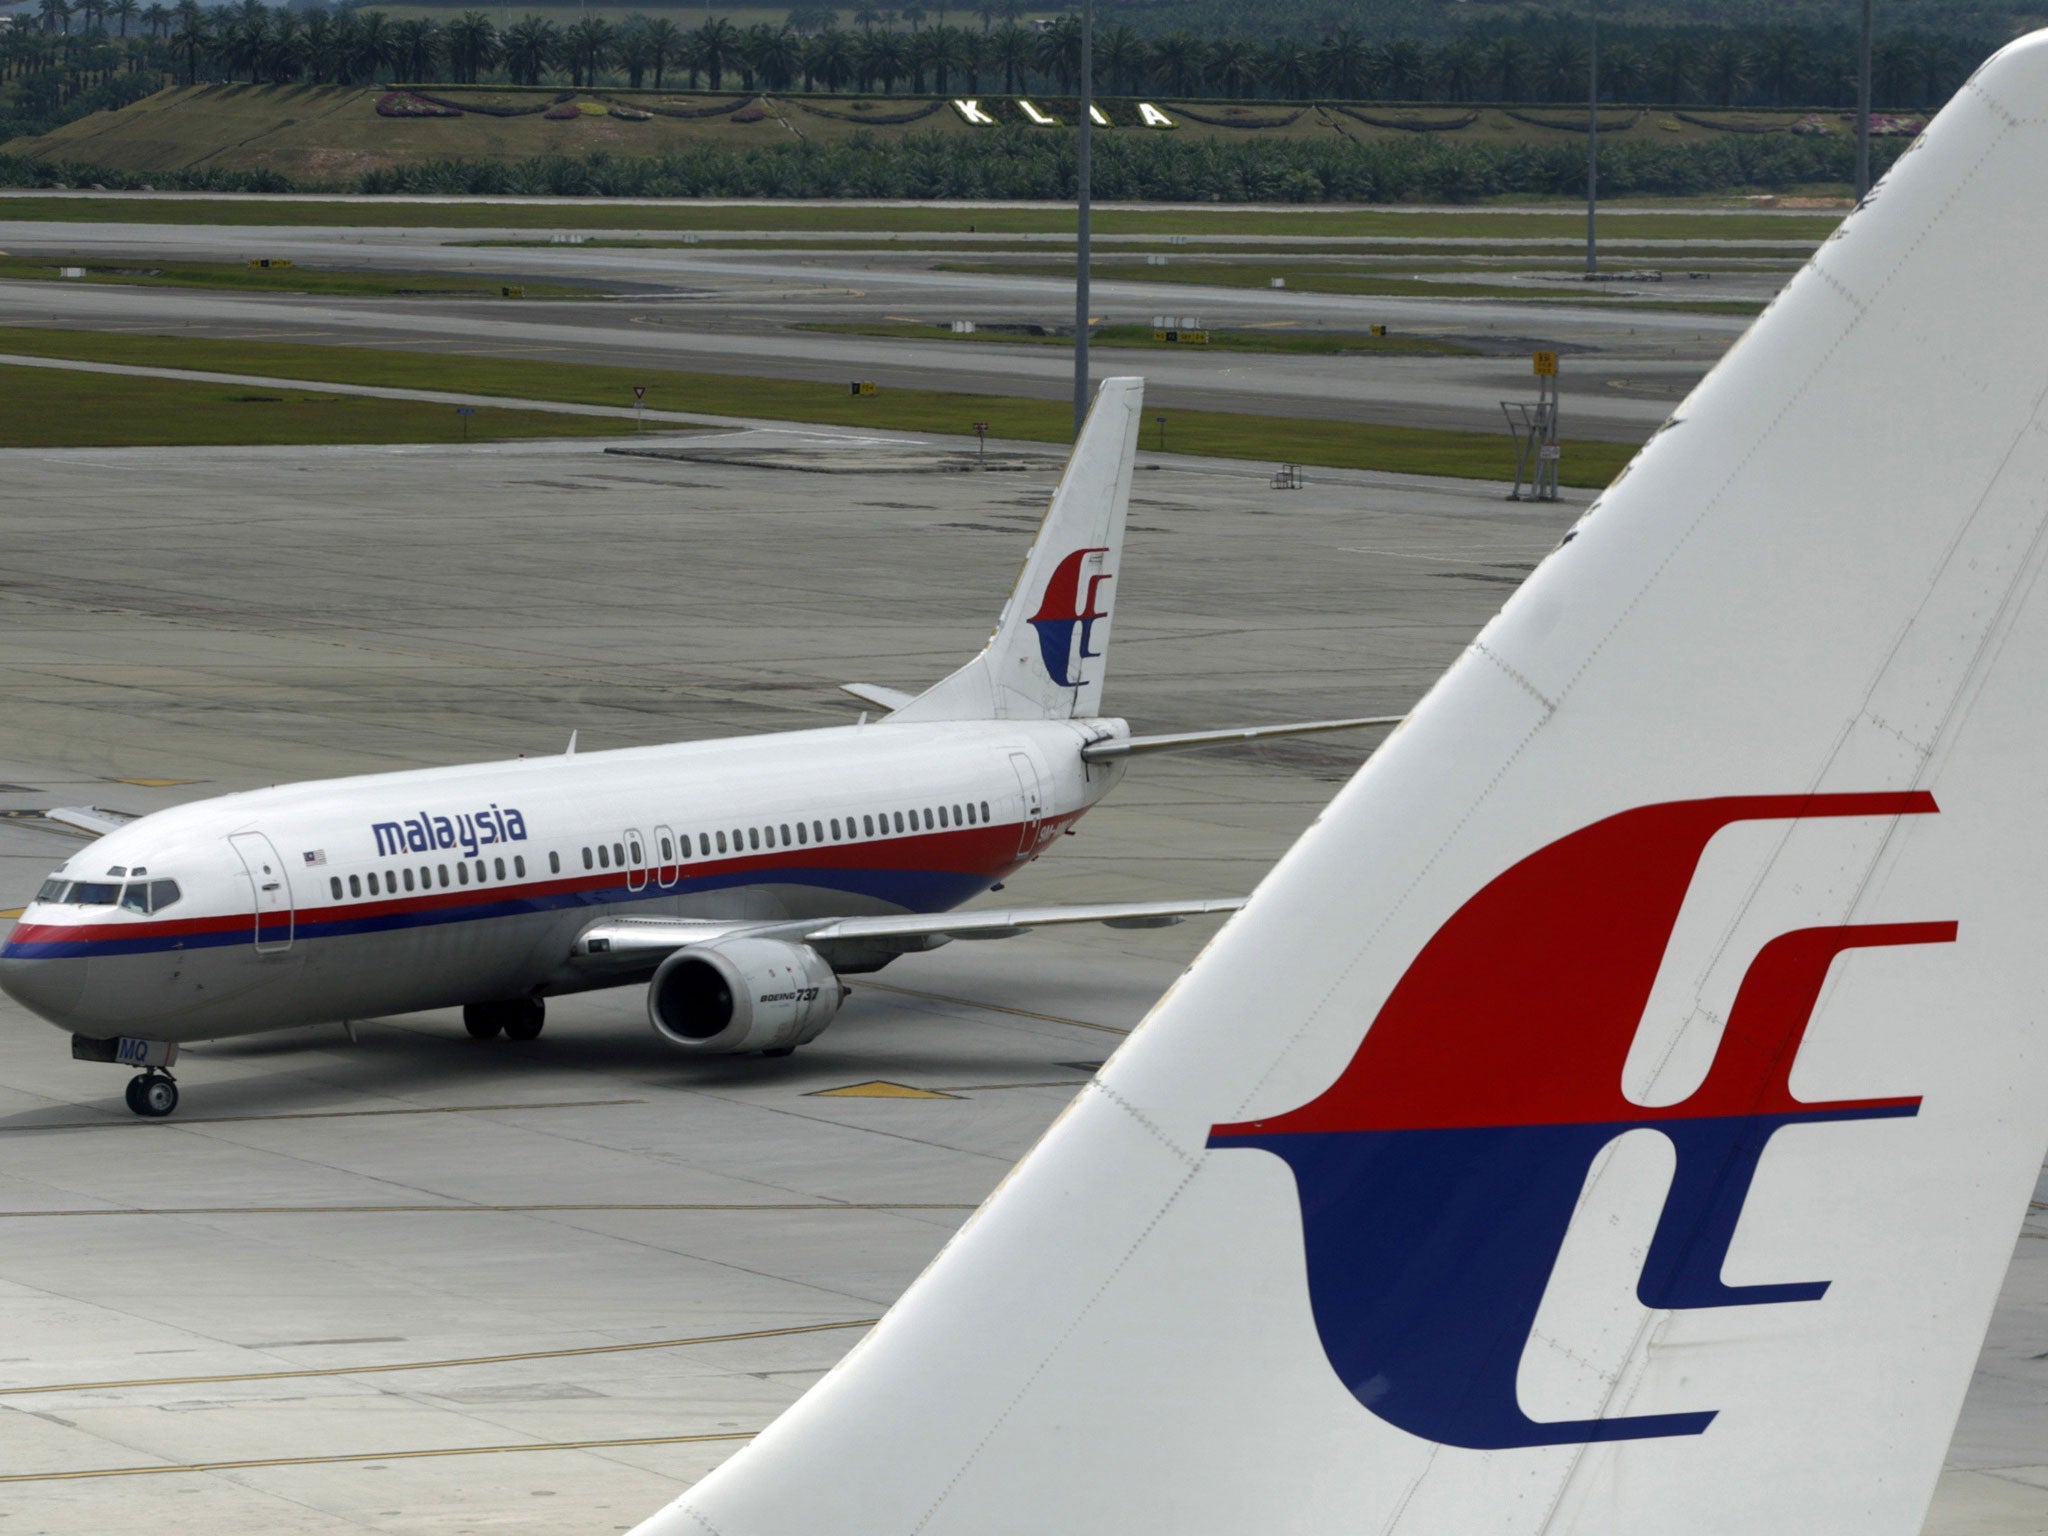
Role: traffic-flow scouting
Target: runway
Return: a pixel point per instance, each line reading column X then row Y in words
column 1629, row 359
column 416, row 1283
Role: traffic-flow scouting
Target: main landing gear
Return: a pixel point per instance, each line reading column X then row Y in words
column 518, row 1018
column 152, row 1094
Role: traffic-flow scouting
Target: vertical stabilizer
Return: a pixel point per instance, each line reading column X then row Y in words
column 1051, row 647
column 1615, row 1115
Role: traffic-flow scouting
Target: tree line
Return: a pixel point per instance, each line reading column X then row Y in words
column 76, row 46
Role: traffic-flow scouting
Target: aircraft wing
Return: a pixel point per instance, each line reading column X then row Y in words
column 94, row 819
column 624, row 943
column 1131, row 746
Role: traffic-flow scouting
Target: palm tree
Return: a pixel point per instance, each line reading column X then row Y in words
column 1343, row 62
column 1672, row 67
column 1621, row 72
column 588, row 45
column 877, row 59
column 664, row 44
column 190, row 38
column 1059, row 51
column 157, row 17
column 1179, row 60
column 1507, row 60
column 531, row 44
column 1234, row 65
column 771, row 55
column 94, row 12
column 1728, row 69
column 830, row 59
column 1010, row 49
column 124, row 11
column 472, row 43
column 718, row 43
column 932, row 49
column 1120, row 57
column 418, row 45
column 373, row 47
column 1458, row 68
column 56, row 16
column 1563, row 71
column 1404, row 69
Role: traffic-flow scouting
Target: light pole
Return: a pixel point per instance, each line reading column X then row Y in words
column 1592, row 146
column 1081, row 223
column 1863, row 111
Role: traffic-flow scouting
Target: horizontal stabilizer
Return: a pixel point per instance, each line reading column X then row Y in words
column 875, row 694
column 95, row 819
column 1184, row 741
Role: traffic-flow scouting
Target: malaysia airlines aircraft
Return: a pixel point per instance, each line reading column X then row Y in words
column 1615, row 1114
column 740, row 879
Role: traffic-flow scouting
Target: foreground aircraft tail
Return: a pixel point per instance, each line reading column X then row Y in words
column 1051, row 647
column 1615, row 1114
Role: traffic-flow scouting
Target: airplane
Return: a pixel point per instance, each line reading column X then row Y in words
column 739, row 879
column 1615, row 1115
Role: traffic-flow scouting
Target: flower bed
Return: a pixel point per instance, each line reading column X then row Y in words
column 406, row 104
column 872, row 112
column 1413, row 124
column 485, row 107
column 1241, row 117
column 1613, row 123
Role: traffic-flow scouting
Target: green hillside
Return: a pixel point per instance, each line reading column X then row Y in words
column 335, row 136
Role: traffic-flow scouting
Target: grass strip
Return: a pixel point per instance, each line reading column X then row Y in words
column 1302, row 343
column 241, row 277
column 51, row 408
column 1221, row 434
column 930, row 218
column 1324, row 279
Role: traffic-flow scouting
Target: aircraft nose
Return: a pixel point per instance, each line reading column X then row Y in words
column 49, row 988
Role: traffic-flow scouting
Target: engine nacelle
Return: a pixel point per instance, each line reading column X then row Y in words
column 742, row 995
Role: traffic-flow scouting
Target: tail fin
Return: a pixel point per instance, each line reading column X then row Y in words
column 1615, row 1114
column 1051, row 646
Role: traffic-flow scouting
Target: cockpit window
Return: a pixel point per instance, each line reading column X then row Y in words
column 135, row 896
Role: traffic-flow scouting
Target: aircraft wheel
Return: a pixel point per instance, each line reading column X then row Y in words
column 152, row 1095
column 482, row 1020
column 781, row 1050
column 524, row 1018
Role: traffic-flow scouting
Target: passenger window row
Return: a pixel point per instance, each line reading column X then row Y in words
column 487, row 871
column 627, row 853
column 786, row 834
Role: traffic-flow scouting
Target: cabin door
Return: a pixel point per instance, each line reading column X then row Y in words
column 271, row 890
column 1033, row 816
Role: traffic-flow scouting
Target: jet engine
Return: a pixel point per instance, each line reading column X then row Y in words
column 743, row 995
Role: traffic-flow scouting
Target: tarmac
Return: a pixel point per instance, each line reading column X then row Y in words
column 412, row 1282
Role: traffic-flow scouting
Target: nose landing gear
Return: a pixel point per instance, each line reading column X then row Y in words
column 152, row 1094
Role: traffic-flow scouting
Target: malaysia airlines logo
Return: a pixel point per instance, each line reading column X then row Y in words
column 1067, row 611
column 1439, row 1173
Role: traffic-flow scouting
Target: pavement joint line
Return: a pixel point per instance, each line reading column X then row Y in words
column 570, row 1207
column 968, row 1002
column 306, row 1372
column 376, row 391
column 315, row 1114
column 360, row 1456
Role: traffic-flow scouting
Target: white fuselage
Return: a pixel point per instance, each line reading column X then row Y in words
column 350, row 898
